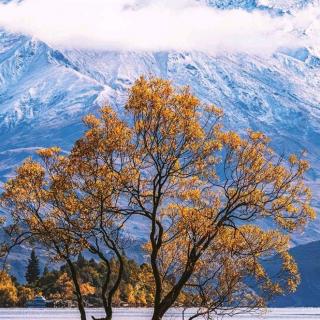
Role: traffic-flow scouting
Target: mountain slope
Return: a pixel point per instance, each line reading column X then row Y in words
column 308, row 292
column 42, row 99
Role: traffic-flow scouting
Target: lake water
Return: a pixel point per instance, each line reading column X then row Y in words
column 144, row 314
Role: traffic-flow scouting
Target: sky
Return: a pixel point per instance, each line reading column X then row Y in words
column 159, row 25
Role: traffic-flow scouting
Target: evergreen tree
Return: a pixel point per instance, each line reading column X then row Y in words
column 81, row 261
column 45, row 270
column 33, row 270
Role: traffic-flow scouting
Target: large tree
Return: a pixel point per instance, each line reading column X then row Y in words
column 84, row 194
column 69, row 204
column 203, row 192
column 33, row 269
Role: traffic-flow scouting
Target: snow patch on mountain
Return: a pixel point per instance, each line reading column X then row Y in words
column 287, row 5
column 283, row 5
column 231, row 4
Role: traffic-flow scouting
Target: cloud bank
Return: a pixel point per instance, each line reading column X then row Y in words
column 156, row 25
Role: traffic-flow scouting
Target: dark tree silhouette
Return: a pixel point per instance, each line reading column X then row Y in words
column 33, row 270
column 81, row 260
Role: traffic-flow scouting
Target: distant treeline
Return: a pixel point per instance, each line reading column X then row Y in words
column 56, row 285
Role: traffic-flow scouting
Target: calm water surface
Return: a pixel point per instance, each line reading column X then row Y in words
column 144, row 314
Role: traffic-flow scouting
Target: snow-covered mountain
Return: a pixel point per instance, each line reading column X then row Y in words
column 44, row 91
column 254, row 4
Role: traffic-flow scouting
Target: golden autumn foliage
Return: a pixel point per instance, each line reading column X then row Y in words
column 25, row 294
column 130, row 294
column 3, row 245
column 66, row 287
column 202, row 191
column 87, row 289
column 8, row 290
column 198, row 185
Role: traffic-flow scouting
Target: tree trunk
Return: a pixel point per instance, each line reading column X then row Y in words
column 159, row 312
column 107, row 297
column 168, row 301
column 109, row 312
column 107, row 307
column 116, row 284
column 77, row 290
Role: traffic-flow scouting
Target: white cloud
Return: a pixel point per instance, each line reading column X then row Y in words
column 157, row 25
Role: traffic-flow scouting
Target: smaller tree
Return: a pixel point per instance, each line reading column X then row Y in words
column 81, row 261
column 8, row 290
column 131, row 299
column 33, row 270
column 45, row 270
column 25, row 294
column 66, row 287
column 142, row 297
